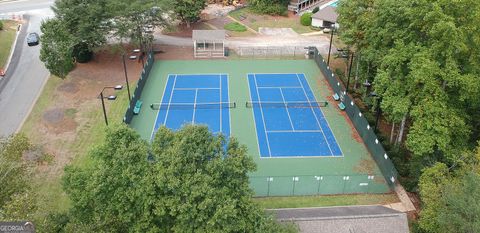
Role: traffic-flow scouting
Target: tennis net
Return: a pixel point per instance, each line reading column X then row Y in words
column 296, row 104
column 219, row 105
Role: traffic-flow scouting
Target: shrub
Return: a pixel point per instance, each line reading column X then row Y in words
column 1, row 25
column 234, row 26
column 315, row 10
column 82, row 53
column 269, row 8
column 306, row 19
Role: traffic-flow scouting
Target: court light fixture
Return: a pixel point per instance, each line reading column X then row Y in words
column 118, row 87
column 112, row 97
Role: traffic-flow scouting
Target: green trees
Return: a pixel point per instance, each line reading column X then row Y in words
column 80, row 27
column 270, row 7
column 306, row 19
column 420, row 56
column 420, row 60
column 450, row 199
column 197, row 183
column 57, row 48
column 188, row 11
column 16, row 200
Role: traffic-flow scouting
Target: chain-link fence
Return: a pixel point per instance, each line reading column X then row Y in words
column 358, row 119
column 138, row 89
column 270, row 52
column 266, row 186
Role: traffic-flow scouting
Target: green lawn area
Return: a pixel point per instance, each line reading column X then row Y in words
column 255, row 21
column 235, row 27
column 7, row 37
column 48, row 185
column 328, row 200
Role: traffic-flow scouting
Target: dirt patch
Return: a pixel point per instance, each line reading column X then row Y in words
column 365, row 166
column 53, row 116
column 68, row 87
column 166, row 52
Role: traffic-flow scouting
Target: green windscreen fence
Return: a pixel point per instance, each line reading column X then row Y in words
column 361, row 124
column 139, row 88
column 265, row 186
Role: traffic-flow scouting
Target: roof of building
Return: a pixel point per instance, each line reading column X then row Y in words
column 358, row 219
column 328, row 13
column 208, row 35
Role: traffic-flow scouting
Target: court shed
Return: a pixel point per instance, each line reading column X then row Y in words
column 209, row 43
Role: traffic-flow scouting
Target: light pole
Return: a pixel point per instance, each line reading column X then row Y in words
column 378, row 111
column 110, row 97
column 126, row 77
column 349, row 70
column 330, row 46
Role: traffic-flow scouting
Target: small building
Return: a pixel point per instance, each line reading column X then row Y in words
column 208, row 43
column 348, row 219
column 325, row 18
column 298, row 6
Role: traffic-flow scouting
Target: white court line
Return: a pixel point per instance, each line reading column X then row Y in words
column 253, row 115
column 194, row 106
column 295, row 131
column 284, row 87
column 261, row 111
column 192, row 88
column 170, row 100
column 316, row 118
column 158, row 112
column 221, row 110
column 288, row 113
column 229, row 113
column 334, row 137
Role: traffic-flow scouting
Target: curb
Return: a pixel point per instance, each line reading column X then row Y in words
column 33, row 104
column 12, row 50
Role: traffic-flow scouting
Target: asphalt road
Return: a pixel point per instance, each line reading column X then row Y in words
column 26, row 75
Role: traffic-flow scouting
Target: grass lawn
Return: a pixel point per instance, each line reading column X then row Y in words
column 7, row 37
column 48, row 184
column 322, row 201
column 235, row 27
column 255, row 21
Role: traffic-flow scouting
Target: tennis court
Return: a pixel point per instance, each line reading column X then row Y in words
column 315, row 151
column 195, row 99
column 288, row 119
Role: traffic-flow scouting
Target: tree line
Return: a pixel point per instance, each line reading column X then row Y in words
column 81, row 27
column 422, row 58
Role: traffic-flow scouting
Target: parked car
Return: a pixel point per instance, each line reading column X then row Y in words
column 33, row 39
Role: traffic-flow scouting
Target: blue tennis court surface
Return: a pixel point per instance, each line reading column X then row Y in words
column 284, row 131
column 195, row 99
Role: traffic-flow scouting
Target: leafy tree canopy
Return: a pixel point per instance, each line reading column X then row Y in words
column 421, row 58
column 197, row 183
column 188, row 11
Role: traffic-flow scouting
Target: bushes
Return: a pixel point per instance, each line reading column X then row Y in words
column 1, row 25
column 82, row 53
column 269, row 7
column 234, row 26
column 315, row 10
column 306, row 19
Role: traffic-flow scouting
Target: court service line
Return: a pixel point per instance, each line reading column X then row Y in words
column 295, row 131
column 170, row 100
column 288, row 113
column 194, row 106
column 261, row 111
column 193, row 88
column 315, row 114
column 279, row 87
